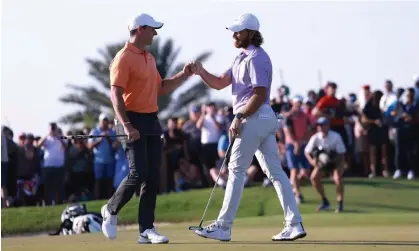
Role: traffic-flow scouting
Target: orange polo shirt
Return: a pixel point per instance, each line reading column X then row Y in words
column 136, row 72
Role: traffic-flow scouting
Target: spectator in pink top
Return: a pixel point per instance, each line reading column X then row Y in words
column 297, row 133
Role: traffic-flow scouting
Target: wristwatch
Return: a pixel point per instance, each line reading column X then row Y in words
column 239, row 116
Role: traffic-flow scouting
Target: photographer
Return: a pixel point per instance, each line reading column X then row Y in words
column 325, row 152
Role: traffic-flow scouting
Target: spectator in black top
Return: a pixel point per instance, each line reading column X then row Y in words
column 173, row 147
column 372, row 118
column 406, row 118
column 281, row 101
column 193, row 138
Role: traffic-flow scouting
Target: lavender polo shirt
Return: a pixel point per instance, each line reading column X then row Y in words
column 251, row 68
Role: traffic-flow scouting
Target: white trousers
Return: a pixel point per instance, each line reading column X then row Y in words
column 257, row 137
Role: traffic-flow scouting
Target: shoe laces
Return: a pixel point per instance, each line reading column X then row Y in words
column 153, row 232
column 212, row 226
column 111, row 219
column 287, row 228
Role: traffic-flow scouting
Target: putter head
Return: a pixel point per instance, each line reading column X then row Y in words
column 195, row 228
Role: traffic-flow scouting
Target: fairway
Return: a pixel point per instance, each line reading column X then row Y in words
column 253, row 234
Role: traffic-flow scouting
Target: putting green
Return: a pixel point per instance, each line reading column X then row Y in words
column 326, row 231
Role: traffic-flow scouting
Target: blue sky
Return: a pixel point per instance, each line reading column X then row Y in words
column 45, row 43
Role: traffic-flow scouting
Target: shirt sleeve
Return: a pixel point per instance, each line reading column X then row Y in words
column 260, row 72
column 93, row 132
column 119, row 71
column 320, row 104
column 340, row 147
column 221, row 143
column 311, row 144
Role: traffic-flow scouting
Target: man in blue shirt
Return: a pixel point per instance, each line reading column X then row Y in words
column 405, row 119
column 104, row 159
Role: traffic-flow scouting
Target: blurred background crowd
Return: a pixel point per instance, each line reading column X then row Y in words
column 380, row 129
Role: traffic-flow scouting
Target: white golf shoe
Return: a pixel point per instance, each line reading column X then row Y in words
column 153, row 237
column 290, row 232
column 215, row 231
column 109, row 224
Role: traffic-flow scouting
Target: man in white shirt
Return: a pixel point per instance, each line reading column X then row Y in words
column 211, row 126
column 52, row 171
column 325, row 151
column 389, row 96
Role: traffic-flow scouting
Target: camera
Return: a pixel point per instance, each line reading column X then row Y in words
column 323, row 157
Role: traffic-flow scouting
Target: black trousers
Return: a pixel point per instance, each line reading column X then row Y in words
column 405, row 149
column 144, row 157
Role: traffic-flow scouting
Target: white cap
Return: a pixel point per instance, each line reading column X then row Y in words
column 103, row 116
column 416, row 78
column 143, row 19
column 245, row 21
column 297, row 98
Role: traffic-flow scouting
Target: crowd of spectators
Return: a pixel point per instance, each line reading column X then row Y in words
column 380, row 130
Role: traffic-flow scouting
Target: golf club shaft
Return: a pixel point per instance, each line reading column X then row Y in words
column 91, row 136
column 225, row 162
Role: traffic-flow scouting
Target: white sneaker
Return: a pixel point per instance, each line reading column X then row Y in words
column 152, row 236
column 397, row 174
column 215, row 231
column 410, row 175
column 109, row 224
column 290, row 232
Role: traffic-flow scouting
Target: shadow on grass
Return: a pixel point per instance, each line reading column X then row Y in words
column 392, row 207
column 383, row 183
column 324, row 242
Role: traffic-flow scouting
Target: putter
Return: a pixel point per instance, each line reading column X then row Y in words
column 91, row 136
column 225, row 162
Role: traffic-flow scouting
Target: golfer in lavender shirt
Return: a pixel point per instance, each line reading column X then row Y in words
column 254, row 128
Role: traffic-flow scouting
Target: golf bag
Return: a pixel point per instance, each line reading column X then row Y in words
column 76, row 220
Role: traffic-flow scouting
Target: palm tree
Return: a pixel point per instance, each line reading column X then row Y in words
column 94, row 99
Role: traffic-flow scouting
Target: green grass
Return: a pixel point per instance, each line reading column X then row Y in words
column 393, row 200
column 326, row 232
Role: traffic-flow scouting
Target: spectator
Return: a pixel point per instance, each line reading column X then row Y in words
column 281, row 102
column 377, row 135
column 78, row 161
column 173, row 148
column 222, row 149
column 333, row 109
column 52, row 171
column 103, row 162
column 27, row 173
column 389, row 96
column 416, row 81
column 4, row 168
column 298, row 128
column 187, row 176
column 22, row 138
column 211, row 129
column 312, row 96
column 364, row 96
column 325, row 152
column 406, row 115
column 12, row 151
column 193, row 140
column 307, row 108
column 121, row 167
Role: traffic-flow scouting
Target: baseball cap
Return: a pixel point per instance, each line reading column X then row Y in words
column 245, row 21
column 103, row 116
column 143, row 19
column 322, row 121
column 297, row 99
column 195, row 109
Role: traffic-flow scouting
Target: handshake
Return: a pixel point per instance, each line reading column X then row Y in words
column 193, row 68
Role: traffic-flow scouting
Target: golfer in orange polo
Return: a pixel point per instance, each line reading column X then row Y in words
column 135, row 86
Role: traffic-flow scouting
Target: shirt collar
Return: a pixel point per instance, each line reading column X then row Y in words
column 134, row 49
column 248, row 50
